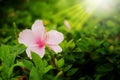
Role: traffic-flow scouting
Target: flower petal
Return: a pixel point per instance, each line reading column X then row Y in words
column 28, row 53
column 39, row 51
column 26, row 37
column 38, row 29
column 55, row 48
column 54, row 37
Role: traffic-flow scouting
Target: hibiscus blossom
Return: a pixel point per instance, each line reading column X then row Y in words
column 36, row 39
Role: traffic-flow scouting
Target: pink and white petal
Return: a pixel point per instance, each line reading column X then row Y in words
column 39, row 51
column 28, row 52
column 38, row 29
column 26, row 37
column 55, row 48
column 54, row 37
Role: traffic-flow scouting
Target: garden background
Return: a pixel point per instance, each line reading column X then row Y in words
column 91, row 45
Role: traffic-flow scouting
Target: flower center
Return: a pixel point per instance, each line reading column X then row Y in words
column 40, row 43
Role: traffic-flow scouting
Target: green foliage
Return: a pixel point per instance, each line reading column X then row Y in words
column 59, row 63
column 7, row 62
column 34, row 74
column 41, row 67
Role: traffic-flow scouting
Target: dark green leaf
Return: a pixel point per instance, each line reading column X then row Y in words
column 67, row 68
column 105, row 68
column 72, row 71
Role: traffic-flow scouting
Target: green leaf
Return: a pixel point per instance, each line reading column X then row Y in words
column 82, row 78
column 58, row 74
column 39, row 64
column 4, row 71
column 59, row 63
column 67, row 68
column 105, row 68
column 18, row 49
column 34, row 74
column 4, row 51
column 12, row 67
column 28, row 64
column 72, row 71
column 0, row 78
column 71, row 44
column 6, row 56
column 8, row 59
column 97, row 77
column 47, row 69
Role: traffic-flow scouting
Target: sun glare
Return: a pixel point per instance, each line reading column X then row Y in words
column 100, row 4
column 79, row 13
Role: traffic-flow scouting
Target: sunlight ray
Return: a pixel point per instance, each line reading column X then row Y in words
column 67, row 10
column 77, row 15
column 81, row 23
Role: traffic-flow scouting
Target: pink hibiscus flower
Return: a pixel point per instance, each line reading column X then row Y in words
column 37, row 38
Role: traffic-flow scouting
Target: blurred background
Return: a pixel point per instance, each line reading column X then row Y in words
column 99, row 16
